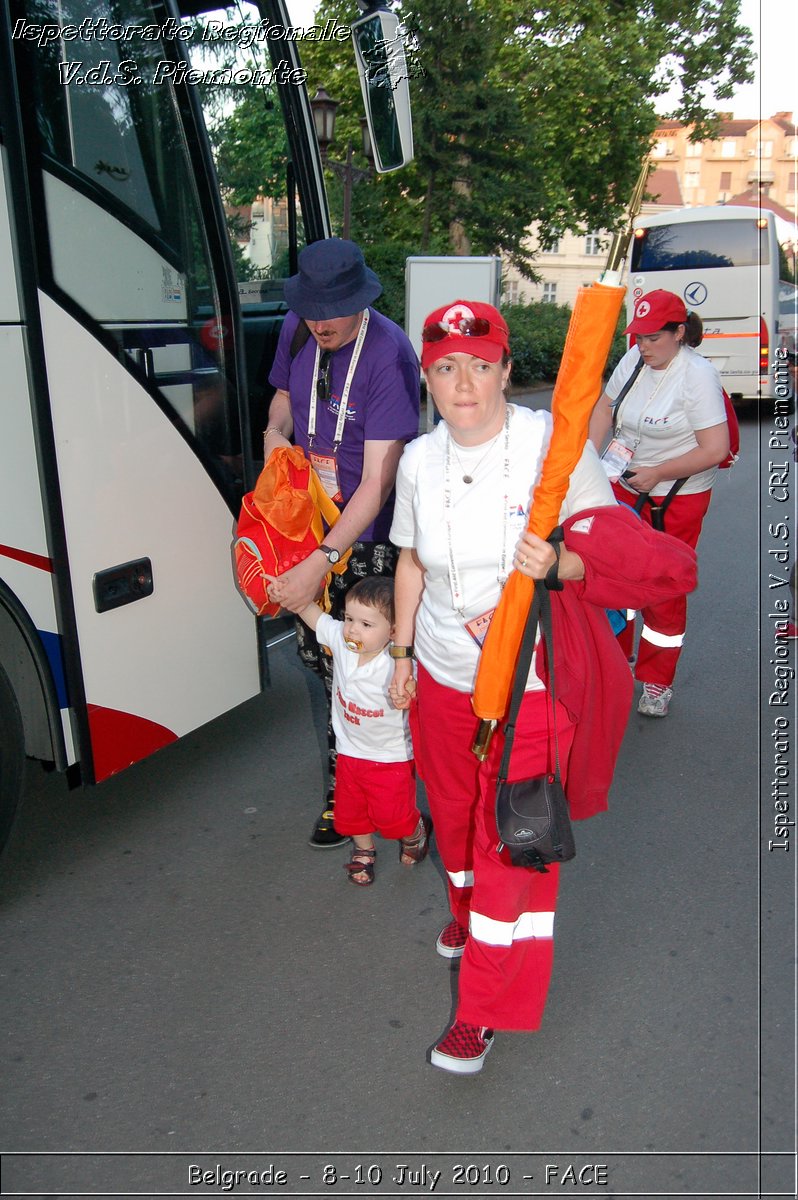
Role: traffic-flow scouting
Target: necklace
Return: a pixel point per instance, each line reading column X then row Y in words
column 455, row 582
column 468, row 476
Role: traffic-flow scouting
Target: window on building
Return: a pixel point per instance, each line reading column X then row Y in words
column 764, row 149
column 549, row 293
column 510, row 291
column 593, row 243
column 693, row 150
column 554, row 248
column 728, row 148
column 692, row 179
column 792, row 147
column 660, row 149
column 792, row 181
column 725, row 181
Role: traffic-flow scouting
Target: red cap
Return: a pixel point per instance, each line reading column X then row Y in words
column 464, row 327
column 655, row 310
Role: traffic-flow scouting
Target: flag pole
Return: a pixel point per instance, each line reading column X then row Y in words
column 577, row 387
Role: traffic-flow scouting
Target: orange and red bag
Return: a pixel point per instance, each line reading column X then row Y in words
column 282, row 521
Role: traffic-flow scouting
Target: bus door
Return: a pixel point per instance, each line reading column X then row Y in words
column 139, row 328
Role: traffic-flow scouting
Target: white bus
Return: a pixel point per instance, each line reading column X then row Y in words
column 129, row 424
column 724, row 262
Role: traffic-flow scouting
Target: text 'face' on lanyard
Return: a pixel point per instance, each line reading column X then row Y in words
column 455, row 583
column 339, row 427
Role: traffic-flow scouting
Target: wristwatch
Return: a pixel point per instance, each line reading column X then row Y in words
column 400, row 651
column 333, row 556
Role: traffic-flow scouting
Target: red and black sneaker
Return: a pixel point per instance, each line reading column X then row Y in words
column 451, row 940
column 462, row 1049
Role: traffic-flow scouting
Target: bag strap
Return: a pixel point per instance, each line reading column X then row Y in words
column 658, row 510
column 539, row 613
column 624, row 392
column 301, row 336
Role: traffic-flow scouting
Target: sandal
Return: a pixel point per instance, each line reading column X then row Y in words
column 415, row 849
column 361, row 863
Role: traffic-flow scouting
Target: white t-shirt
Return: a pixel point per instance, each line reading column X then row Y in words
column 364, row 721
column 481, row 528
column 659, row 415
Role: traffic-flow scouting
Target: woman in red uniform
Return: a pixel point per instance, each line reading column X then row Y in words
column 462, row 504
column 670, row 425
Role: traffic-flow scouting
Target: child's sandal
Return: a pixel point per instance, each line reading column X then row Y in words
column 361, row 863
column 415, row 849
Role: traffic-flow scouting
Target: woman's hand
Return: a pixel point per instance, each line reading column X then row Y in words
column 402, row 687
column 534, row 558
column 643, row 479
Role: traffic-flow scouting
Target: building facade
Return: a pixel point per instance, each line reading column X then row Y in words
column 745, row 159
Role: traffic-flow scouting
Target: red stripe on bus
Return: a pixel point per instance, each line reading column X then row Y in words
column 119, row 739
column 25, row 556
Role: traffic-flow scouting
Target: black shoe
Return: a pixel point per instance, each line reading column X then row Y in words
column 325, row 836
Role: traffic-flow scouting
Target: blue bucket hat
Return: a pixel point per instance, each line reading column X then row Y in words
column 333, row 281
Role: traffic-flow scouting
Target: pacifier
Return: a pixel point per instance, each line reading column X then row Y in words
column 352, row 645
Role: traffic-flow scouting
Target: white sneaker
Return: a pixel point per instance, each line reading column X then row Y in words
column 654, row 700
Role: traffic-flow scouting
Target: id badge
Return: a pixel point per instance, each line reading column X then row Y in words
column 326, row 467
column 478, row 626
column 616, row 459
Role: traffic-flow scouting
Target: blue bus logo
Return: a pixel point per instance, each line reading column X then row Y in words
column 695, row 293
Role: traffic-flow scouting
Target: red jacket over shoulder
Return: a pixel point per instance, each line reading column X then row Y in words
column 627, row 565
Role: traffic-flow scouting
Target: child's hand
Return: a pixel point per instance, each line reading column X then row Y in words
column 402, row 688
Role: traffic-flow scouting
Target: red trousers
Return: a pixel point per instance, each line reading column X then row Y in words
column 662, row 635
column 375, row 797
column 509, row 911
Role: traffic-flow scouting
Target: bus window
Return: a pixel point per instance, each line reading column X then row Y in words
column 127, row 243
column 262, row 210
column 698, row 245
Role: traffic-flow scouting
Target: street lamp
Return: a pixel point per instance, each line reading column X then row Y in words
column 324, row 109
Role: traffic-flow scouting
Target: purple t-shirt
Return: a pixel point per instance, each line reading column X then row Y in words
column 383, row 400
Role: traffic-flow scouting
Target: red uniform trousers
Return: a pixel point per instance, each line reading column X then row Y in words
column 375, row 797
column 662, row 635
column 509, row 911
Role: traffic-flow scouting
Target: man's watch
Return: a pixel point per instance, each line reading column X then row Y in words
column 400, row 651
column 333, row 556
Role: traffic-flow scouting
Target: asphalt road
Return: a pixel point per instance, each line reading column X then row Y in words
column 184, row 978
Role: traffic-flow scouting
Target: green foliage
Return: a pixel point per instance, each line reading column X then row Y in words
column 537, row 338
column 522, row 113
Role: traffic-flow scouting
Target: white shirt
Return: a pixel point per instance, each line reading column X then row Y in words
column 487, row 517
column 659, row 415
column 364, row 721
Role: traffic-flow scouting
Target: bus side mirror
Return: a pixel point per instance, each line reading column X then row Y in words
column 384, row 81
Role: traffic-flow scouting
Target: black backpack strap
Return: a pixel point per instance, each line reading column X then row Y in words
column 623, row 393
column 301, row 336
column 659, row 508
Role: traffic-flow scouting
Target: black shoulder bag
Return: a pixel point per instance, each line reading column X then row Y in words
column 532, row 814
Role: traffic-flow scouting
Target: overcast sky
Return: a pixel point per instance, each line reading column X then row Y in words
column 774, row 24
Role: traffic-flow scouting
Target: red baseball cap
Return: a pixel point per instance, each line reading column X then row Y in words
column 464, row 327
column 655, row 310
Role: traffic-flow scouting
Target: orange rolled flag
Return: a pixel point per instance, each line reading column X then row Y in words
column 578, row 386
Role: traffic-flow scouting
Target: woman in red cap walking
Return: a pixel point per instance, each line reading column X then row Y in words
column 463, row 494
column 664, row 413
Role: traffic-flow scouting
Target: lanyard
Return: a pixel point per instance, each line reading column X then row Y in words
column 339, row 426
column 458, row 598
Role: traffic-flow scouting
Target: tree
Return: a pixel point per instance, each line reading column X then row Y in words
column 526, row 113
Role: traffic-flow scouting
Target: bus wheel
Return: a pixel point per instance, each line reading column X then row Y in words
column 12, row 756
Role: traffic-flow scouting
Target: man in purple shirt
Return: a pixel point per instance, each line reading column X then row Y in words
column 348, row 392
